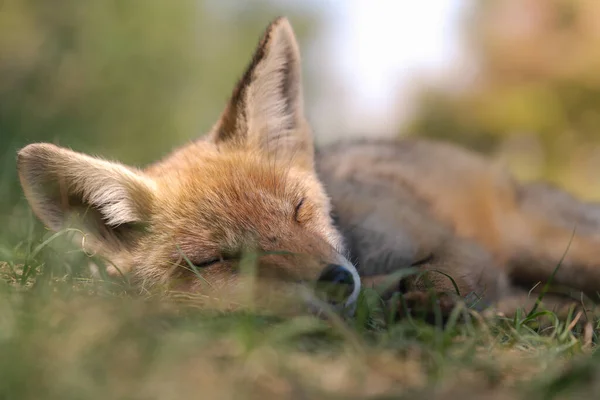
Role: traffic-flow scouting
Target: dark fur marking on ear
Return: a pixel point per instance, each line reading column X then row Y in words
column 236, row 106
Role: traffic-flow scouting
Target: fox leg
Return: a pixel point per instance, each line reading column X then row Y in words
column 551, row 226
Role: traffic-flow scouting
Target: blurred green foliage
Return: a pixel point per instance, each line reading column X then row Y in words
column 125, row 79
column 535, row 90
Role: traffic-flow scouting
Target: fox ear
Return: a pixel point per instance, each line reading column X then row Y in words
column 266, row 109
column 110, row 200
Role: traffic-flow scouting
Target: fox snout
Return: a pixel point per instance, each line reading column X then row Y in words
column 324, row 279
column 335, row 282
column 337, row 285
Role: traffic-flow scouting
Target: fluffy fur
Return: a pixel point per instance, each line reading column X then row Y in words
column 251, row 183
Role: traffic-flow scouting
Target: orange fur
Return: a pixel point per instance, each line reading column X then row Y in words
column 254, row 182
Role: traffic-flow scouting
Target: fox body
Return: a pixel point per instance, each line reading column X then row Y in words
column 439, row 207
column 363, row 207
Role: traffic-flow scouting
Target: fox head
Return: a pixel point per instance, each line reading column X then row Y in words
column 249, row 184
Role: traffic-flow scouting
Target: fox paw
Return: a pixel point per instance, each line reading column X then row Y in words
column 425, row 305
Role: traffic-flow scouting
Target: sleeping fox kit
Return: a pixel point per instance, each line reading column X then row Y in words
column 349, row 212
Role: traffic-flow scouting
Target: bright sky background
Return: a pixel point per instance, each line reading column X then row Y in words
column 381, row 44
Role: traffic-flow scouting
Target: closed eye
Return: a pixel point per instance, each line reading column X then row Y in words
column 207, row 263
column 212, row 261
column 297, row 210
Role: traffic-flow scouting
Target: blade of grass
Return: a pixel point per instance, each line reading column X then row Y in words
column 551, row 278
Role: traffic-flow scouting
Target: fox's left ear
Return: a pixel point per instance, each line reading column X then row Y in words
column 266, row 109
column 109, row 201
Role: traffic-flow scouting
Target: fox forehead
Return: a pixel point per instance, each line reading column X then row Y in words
column 224, row 199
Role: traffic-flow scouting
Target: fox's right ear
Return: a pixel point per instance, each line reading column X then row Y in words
column 111, row 201
column 266, row 110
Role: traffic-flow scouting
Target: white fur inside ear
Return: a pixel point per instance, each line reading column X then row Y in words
column 274, row 98
column 114, row 190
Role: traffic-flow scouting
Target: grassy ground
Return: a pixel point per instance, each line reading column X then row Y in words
column 64, row 335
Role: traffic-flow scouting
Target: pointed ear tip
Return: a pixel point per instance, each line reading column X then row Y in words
column 24, row 151
column 27, row 152
column 280, row 21
column 283, row 25
column 34, row 150
column 35, row 147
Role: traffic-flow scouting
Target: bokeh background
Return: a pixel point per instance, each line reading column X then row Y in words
column 130, row 79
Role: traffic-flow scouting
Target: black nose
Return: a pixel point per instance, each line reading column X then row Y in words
column 335, row 284
column 334, row 273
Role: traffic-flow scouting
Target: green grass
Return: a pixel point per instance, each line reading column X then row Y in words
column 66, row 335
